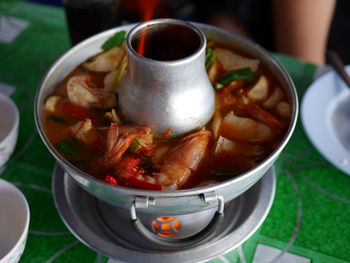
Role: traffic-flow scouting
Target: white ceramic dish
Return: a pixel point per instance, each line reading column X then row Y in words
column 9, row 121
column 325, row 113
column 14, row 222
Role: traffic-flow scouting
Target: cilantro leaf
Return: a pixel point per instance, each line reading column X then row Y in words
column 114, row 41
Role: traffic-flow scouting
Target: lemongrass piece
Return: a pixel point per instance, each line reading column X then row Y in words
column 260, row 90
column 213, row 72
column 113, row 117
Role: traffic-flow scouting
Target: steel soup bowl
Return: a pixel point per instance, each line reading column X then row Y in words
column 163, row 202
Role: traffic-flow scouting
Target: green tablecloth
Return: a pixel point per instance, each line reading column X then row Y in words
column 310, row 213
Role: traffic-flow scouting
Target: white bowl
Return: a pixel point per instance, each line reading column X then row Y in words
column 9, row 120
column 14, row 222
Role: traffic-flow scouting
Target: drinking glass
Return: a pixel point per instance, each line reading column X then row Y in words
column 89, row 17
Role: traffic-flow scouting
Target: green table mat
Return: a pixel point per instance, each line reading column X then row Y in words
column 310, row 213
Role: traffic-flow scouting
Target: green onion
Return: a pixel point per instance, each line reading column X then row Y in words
column 223, row 175
column 68, row 147
column 120, row 74
column 56, row 119
column 240, row 74
column 135, row 145
column 209, row 57
column 116, row 40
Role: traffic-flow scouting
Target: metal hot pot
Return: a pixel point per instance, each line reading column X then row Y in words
column 166, row 203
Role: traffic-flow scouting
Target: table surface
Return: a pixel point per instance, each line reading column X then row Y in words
column 309, row 218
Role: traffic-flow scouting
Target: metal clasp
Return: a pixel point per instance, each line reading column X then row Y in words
column 212, row 197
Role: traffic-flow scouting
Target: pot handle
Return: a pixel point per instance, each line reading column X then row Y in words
column 205, row 234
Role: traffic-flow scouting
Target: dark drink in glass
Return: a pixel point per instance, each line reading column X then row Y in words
column 89, row 17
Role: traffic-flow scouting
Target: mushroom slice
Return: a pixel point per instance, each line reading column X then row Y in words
column 274, row 98
column 244, row 129
column 232, row 61
column 237, row 148
column 106, row 61
column 260, row 90
column 284, row 109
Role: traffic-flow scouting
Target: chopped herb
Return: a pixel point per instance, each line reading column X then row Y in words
column 209, row 57
column 116, row 40
column 223, row 175
column 135, row 145
column 56, row 119
column 68, row 147
column 240, row 74
column 210, row 44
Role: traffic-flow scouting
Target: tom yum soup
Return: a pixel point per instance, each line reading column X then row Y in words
column 83, row 123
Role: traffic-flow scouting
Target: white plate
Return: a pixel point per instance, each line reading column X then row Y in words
column 325, row 113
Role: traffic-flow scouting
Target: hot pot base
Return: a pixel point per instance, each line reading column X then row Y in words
column 107, row 229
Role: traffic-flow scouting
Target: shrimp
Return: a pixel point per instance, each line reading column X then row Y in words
column 179, row 163
column 116, row 145
column 52, row 102
column 119, row 139
column 81, row 91
column 173, row 171
column 142, row 133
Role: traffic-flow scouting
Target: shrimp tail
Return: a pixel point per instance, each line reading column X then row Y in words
column 116, row 145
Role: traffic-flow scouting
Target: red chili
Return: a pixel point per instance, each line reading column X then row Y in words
column 133, row 163
column 225, row 101
column 77, row 111
column 167, row 132
column 111, row 180
column 266, row 117
column 133, row 182
column 133, row 167
column 146, row 153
